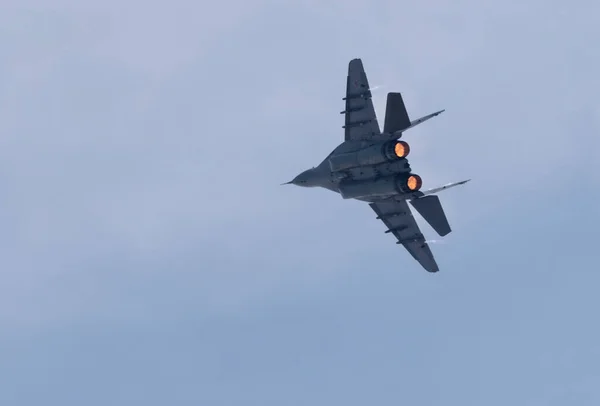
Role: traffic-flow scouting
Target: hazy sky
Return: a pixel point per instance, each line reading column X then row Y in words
column 149, row 256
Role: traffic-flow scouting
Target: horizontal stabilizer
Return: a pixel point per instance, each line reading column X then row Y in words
column 430, row 208
column 420, row 120
column 439, row 189
column 396, row 116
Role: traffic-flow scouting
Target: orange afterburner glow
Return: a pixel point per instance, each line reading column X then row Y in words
column 414, row 182
column 401, row 149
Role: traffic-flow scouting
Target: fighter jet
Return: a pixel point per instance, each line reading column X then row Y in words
column 371, row 166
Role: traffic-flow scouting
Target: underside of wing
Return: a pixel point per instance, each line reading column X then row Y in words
column 400, row 222
column 361, row 121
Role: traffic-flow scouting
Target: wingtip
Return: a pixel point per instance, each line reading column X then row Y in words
column 431, row 267
column 355, row 62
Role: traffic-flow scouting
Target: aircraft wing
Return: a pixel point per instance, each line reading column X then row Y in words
column 400, row 222
column 361, row 121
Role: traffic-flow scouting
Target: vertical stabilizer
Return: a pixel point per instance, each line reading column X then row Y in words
column 430, row 208
column 396, row 116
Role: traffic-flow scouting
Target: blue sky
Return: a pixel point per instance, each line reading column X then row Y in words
column 150, row 256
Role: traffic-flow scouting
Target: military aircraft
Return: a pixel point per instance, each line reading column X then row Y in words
column 371, row 166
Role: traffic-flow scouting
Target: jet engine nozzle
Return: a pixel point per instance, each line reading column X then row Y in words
column 410, row 183
column 396, row 150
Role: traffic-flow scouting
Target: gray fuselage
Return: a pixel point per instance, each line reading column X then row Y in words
column 366, row 177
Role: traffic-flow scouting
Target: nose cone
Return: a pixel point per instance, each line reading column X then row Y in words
column 304, row 179
column 301, row 179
